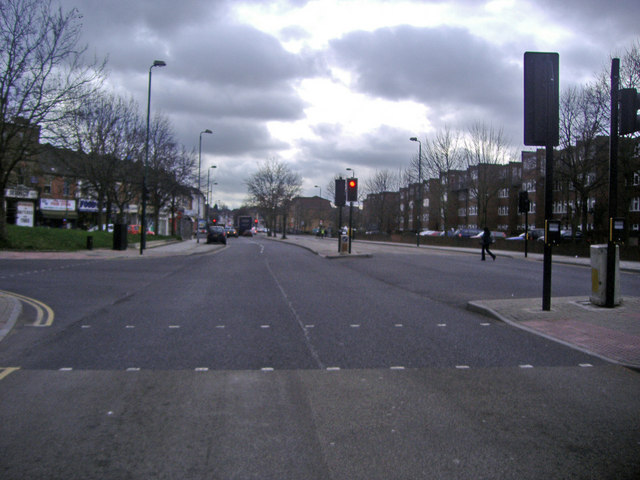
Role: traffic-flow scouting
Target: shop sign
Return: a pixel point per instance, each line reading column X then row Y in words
column 24, row 217
column 57, row 204
column 87, row 205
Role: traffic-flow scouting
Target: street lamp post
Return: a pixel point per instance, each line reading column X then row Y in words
column 419, row 207
column 145, row 192
column 318, row 186
column 209, row 191
column 199, row 170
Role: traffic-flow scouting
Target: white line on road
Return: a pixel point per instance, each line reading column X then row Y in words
column 462, row 367
column 397, row 368
column 267, row 369
column 585, row 365
column 201, row 369
column 526, row 366
column 333, row 369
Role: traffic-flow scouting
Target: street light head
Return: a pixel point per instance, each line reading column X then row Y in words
column 207, row 131
column 159, row 63
column 414, row 139
column 213, row 166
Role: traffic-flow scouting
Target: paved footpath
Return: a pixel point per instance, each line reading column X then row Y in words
column 609, row 333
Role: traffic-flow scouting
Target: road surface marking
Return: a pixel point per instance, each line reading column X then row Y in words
column 526, row 366
column 65, row 369
column 133, row 369
column 44, row 313
column 397, row 368
column 309, row 326
column 7, row 371
column 174, row 326
column 485, row 324
column 85, row 326
column 201, row 369
column 355, row 325
column 398, row 325
column 265, row 326
column 130, row 326
column 267, row 369
column 220, row 326
column 462, row 367
column 442, row 324
column 585, row 365
column 333, row 369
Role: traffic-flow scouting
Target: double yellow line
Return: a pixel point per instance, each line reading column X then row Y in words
column 44, row 313
column 6, row 371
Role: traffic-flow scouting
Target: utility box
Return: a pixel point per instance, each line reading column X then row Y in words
column 120, row 236
column 344, row 243
column 599, row 275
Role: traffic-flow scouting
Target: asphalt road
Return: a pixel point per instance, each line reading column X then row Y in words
column 266, row 361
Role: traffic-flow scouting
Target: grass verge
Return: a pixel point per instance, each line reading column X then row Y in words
column 61, row 240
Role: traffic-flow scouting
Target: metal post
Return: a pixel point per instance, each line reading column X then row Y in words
column 526, row 233
column 339, row 228
column 350, row 223
column 610, row 285
column 143, row 221
column 199, row 167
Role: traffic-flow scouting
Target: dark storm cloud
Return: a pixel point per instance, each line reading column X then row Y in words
column 436, row 66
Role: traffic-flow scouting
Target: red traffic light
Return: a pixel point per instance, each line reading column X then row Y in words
column 352, row 190
column 255, row 221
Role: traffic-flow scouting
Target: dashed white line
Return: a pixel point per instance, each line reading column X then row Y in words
column 526, row 366
column 442, row 325
column 333, row 369
column 485, row 324
column 65, row 369
column 201, row 369
column 174, row 326
column 85, row 326
column 133, row 369
column 220, row 326
column 309, row 326
column 398, row 325
column 585, row 365
column 354, row 325
column 130, row 326
column 463, row 367
column 267, row 369
column 398, row 367
column 265, row 326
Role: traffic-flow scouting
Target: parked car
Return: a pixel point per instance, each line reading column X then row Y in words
column 495, row 234
column 432, row 233
column 136, row 229
column 231, row 232
column 534, row 234
column 466, row 232
column 216, row 234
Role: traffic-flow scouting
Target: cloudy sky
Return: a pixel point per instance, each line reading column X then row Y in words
column 330, row 84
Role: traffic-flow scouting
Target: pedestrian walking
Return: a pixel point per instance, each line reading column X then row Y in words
column 486, row 240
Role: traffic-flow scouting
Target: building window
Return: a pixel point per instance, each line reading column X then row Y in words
column 636, row 178
column 473, row 210
column 635, row 204
column 503, row 211
column 503, row 193
column 462, row 212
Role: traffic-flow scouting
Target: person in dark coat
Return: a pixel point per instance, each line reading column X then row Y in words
column 486, row 240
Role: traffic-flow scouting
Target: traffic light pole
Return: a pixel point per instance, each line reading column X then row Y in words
column 350, row 229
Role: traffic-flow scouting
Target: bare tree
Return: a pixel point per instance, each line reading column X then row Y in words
column 443, row 154
column 106, row 130
column 582, row 126
column 41, row 70
column 485, row 149
column 271, row 189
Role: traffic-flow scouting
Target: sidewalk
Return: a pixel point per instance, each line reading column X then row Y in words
column 612, row 334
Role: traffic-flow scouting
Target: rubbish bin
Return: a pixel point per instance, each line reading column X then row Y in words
column 89, row 242
column 344, row 243
column 120, row 236
column 599, row 275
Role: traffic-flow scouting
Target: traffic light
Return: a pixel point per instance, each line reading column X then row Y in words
column 541, row 98
column 340, row 199
column 523, row 202
column 629, row 106
column 214, row 221
column 352, row 189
